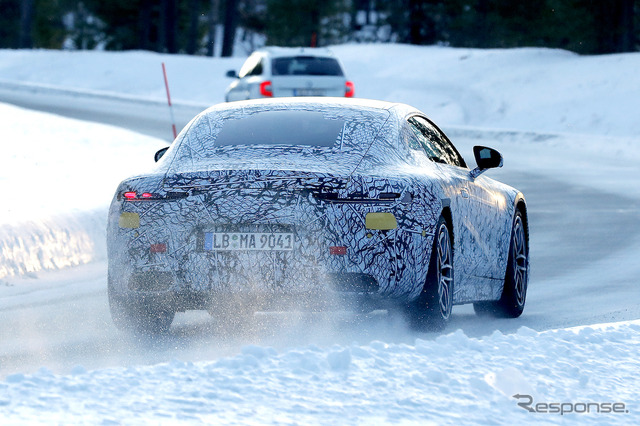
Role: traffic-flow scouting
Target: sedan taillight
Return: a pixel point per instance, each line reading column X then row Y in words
column 265, row 89
column 349, row 90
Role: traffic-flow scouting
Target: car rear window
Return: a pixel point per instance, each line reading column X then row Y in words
column 306, row 65
column 305, row 128
column 315, row 136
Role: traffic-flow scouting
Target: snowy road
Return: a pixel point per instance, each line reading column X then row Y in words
column 579, row 236
column 148, row 117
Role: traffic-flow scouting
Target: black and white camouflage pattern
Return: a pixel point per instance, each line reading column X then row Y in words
column 275, row 189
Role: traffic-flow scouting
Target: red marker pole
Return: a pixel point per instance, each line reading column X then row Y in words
column 166, row 85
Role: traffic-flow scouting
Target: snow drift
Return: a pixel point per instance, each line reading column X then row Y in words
column 452, row 379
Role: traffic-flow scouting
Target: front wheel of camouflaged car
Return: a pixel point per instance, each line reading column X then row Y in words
column 432, row 309
column 141, row 318
column 516, row 280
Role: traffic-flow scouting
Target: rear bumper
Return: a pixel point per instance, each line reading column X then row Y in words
column 159, row 281
column 343, row 291
column 371, row 265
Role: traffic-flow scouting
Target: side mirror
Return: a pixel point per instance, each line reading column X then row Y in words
column 160, row 153
column 486, row 158
column 232, row 74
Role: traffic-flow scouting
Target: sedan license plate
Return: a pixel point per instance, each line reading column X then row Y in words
column 308, row 92
column 253, row 241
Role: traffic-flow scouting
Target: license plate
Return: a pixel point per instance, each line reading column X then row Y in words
column 308, row 92
column 258, row 241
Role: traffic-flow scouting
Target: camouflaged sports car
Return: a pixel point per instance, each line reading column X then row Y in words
column 311, row 203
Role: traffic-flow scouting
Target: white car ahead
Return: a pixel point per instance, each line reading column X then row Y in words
column 282, row 71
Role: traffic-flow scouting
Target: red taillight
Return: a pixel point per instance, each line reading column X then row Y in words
column 337, row 250
column 349, row 89
column 265, row 89
column 133, row 196
column 158, row 248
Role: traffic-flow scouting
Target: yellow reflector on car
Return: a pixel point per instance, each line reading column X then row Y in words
column 381, row 221
column 129, row 220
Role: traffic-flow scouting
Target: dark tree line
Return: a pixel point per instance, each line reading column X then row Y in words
column 192, row 26
column 584, row 26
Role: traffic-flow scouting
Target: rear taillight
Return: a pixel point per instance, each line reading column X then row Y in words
column 134, row 196
column 349, row 89
column 265, row 89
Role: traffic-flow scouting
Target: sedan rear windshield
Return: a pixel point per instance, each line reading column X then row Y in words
column 306, row 65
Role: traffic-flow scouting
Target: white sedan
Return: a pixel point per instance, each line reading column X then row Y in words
column 280, row 71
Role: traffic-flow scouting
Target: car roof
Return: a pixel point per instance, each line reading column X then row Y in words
column 276, row 51
column 313, row 102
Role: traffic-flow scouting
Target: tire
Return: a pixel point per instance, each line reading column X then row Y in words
column 432, row 310
column 139, row 318
column 516, row 280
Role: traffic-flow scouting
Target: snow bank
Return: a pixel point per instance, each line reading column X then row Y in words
column 57, row 242
column 132, row 73
column 541, row 90
column 57, row 178
column 453, row 379
column 532, row 89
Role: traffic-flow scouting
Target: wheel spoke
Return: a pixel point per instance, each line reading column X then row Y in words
column 444, row 288
column 519, row 260
column 445, row 272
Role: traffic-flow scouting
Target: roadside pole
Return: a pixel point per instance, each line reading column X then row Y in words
column 166, row 85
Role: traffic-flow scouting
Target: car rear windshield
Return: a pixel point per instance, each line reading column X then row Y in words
column 317, row 133
column 306, row 65
column 305, row 128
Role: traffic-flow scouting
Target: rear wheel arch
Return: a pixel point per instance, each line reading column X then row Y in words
column 448, row 217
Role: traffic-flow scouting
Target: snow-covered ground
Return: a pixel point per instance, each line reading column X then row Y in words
column 578, row 374
column 556, row 114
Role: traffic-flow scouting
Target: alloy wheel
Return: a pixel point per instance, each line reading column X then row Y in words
column 445, row 271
